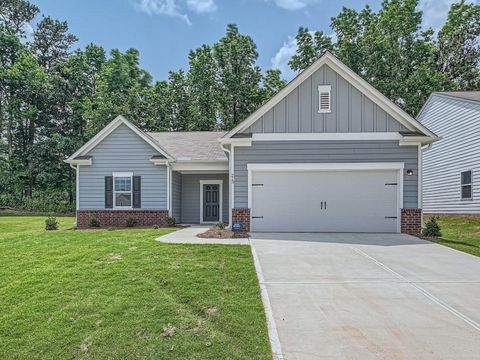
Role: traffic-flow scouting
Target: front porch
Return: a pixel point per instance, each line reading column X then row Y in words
column 200, row 197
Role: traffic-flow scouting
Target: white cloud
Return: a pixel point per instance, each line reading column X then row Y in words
column 294, row 4
column 435, row 12
column 202, row 6
column 283, row 56
column 175, row 8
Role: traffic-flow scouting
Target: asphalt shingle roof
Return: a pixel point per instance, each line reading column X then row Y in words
column 468, row 95
column 191, row 145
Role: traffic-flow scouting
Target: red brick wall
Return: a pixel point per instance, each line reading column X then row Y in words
column 119, row 217
column 241, row 216
column 412, row 221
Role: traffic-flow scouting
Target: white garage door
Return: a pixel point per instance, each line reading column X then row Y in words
column 324, row 201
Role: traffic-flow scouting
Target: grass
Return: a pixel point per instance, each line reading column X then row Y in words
column 460, row 233
column 103, row 294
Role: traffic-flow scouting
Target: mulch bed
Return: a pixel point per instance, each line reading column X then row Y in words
column 217, row 233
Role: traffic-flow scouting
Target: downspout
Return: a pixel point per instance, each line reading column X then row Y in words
column 169, row 188
column 77, row 190
column 230, row 182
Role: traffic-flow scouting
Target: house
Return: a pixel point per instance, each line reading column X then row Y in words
column 327, row 153
column 451, row 175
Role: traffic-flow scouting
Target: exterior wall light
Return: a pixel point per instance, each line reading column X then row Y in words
column 409, row 172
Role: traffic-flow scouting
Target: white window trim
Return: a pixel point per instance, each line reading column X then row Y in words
column 470, row 184
column 122, row 174
column 398, row 166
column 220, row 197
column 325, row 89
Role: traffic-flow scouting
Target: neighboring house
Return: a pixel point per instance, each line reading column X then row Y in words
column 451, row 175
column 327, row 153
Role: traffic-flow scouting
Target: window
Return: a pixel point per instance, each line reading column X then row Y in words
column 324, row 99
column 122, row 190
column 466, row 184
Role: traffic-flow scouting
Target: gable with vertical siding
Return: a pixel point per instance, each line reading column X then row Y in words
column 351, row 111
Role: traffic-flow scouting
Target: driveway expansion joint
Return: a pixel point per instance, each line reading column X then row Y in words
column 423, row 291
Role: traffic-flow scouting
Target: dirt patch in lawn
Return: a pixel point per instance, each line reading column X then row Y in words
column 216, row 232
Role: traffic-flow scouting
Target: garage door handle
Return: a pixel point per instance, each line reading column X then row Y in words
column 257, row 217
column 390, row 217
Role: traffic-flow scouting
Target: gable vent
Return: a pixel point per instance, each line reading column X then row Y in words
column 324, row 98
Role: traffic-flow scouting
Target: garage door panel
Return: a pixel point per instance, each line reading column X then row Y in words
column 332, row 201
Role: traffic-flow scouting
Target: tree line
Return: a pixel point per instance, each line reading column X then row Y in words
column 53, row 99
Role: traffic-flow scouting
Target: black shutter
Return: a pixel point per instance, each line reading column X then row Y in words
column 108, row 192
column 137, row 191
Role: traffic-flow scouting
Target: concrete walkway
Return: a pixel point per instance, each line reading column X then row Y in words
column 188, row 235
column 369, row 296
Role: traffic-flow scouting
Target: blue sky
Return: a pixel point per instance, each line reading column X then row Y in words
column 165, row 30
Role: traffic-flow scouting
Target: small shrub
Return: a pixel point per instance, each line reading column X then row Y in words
column 155, row 227
column 111, row 229
column 51, row 223
column 131, row 222
column 221, row 225
column 171, row 222
column 94, row 222
column 432, row 228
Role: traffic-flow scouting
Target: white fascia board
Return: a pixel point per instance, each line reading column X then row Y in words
column 200, row 166
column 326, row 166
column 354, row 79
column 160, row 161
column 107, row 130
column 418, row 140
column 78, row 162
column 237, row 141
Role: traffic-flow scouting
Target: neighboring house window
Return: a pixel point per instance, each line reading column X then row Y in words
column 122, row 190
column 324, row 98
column 466, row 184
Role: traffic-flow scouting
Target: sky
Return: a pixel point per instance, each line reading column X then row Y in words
column 164, row 31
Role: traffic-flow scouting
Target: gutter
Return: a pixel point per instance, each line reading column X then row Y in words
column 230, row 178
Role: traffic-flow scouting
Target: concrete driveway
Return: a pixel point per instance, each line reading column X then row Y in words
column 370, row 296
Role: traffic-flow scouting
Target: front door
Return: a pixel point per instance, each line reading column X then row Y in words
column 211, row 202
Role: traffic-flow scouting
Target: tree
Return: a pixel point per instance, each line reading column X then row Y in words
column 16, row 14
column 459, row 48
column 238, row 78
column 310, row 47
column 178, row 102
column 122, row 88
column 272, row 83
column 201, row 89
column 52, row 42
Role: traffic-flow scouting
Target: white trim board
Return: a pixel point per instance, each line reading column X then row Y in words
column 397, row 166
column 220, row 199
column 107, row 130
column 363, row 86
column 200, row 166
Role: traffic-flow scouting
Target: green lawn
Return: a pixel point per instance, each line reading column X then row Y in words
column 109, row 294
column 461, row 233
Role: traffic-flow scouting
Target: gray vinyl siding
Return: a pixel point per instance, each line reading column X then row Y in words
column 457, row 122
column 326, row 152
column 351, row 110
column 191, row 196
column 122, row 151
column 177, row 196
